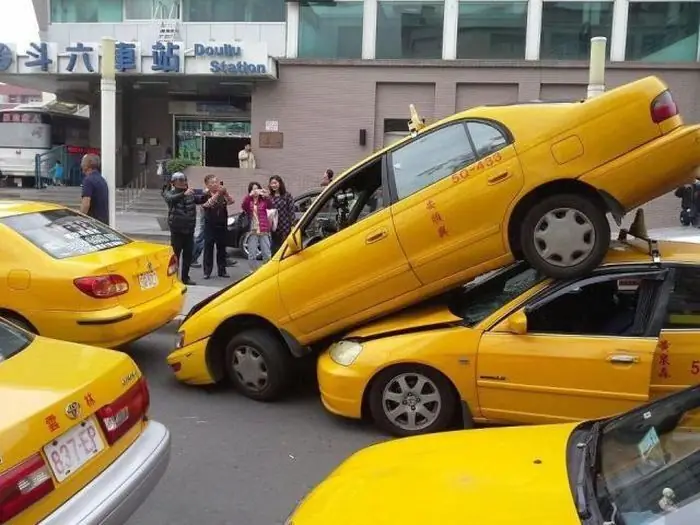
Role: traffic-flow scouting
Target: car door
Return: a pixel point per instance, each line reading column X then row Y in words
column 677, row 363
column 453, row 186
column 587, row 352
column 347, row 274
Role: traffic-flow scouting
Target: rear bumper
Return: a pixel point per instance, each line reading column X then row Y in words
column 112, row 497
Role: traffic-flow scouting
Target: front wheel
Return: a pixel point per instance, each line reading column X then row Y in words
column 565, row 236
column 259, row 365
column 412, row 400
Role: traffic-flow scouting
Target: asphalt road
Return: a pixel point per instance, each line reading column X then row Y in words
column 236, row 461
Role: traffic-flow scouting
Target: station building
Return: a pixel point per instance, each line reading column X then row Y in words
column 318, row 84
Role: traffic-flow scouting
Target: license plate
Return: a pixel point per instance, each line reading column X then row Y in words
column 70, row 451
column 148, row 280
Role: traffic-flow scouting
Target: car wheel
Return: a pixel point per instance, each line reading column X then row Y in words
column 20, row 321
column 565, row 236
column 259, row 365
column 412, row 400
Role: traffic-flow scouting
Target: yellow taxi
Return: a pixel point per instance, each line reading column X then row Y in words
column 517, row 347
column 468, row 194
column 66, row 276
column 640, row 468
column 76, row 443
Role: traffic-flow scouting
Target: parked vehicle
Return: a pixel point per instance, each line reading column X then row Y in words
column 67, row 276
column 471, row 193
column 76, row 442
column 637, row 468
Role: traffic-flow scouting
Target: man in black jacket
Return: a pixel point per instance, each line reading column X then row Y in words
column 215, row 222
column 182, row 218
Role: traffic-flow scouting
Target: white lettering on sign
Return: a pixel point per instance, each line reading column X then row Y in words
column 272, row 125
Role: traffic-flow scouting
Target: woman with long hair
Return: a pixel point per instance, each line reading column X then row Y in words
column 283, row 202
column 255, row 205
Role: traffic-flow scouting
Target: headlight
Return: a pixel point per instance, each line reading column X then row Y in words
column 180, row 340
column 345, row 352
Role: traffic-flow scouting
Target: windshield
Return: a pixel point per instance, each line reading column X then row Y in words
column 64, row 233
column 12, row 340
column 650, row 463
column 484, row 295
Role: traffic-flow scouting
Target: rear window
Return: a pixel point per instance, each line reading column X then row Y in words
column 12, row 340
column 64, row 233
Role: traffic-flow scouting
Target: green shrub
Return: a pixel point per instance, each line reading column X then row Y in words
column 179, row 164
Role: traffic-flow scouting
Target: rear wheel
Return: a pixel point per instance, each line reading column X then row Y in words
column 565, row 236
column 259, row 364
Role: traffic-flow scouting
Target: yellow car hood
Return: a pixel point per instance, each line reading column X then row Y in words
column 512, row 476
column 435, row 313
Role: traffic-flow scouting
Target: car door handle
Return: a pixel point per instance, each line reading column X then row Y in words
column 623, row 359
column 499, row 178
column 376, row 236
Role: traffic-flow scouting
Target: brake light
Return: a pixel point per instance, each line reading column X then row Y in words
column 173, row 265
column 102, row 286
column 663, row 107
column 22, row 486
column 120, row 416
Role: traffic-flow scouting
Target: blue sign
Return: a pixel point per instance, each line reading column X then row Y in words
column 40, row 53
column 125, row 56
column 166, row 58
column 84, row 52
column 6, row 57
column 232, row 68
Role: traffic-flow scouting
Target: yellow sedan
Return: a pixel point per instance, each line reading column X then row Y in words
column 639, row 468
column 67, row 276
column 76, row 444
column 516, row 347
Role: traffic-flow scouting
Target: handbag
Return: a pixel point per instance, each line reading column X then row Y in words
column 272, row 218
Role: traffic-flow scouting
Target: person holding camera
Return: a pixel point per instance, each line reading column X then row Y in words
column 256, row 205
column 182, row 217
column 215, row 223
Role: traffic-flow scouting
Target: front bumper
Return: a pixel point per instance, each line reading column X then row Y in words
column 112, row 497
column 189, row 364
column 342, row 387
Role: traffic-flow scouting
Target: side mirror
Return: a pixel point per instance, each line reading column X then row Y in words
column 517, row 323
column 294, row 242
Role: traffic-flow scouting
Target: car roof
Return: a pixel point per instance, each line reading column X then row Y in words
column 10, row 208
column 678, row 248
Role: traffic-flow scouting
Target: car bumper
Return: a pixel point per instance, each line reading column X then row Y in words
column 342, row 387
column 115, row 326
column 112, row 497
column 189, row 364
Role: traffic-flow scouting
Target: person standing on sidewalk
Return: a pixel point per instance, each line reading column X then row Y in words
column 95, row 195
column 246, row 158
column 215, row 223
column 256, row 204
column 283, row 202
column 182, row 219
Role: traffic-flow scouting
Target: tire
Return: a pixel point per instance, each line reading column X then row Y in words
column 259, row 352
column 244, row 246
column 19, row 321
column 441, row 411
column 583, row 225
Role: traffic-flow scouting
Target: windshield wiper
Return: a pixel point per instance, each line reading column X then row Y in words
column 584, row 486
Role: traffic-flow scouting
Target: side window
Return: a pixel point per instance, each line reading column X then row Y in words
column 487, row 139
column 683, row 310
column 618, row 307
column 430, row 158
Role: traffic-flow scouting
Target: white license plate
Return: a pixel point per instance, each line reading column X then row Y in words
column 148, row 280
column 70, row 451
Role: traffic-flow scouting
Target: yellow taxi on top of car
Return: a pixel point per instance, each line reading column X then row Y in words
column 76, row 444
column 640, row 468
column 67, row 276
column 468, row 194
column 517, row 347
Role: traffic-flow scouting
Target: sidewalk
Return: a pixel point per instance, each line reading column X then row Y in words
column 143, row 226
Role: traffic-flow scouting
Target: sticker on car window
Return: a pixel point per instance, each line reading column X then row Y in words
column 649, row 447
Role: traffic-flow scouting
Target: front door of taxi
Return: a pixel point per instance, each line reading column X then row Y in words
column 588, row 351
column 454, row 186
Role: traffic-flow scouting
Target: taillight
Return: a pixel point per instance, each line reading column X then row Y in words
column 173, row 265
column 663, row 107
column 102, row 286
column 22, row 486
column 120, row 416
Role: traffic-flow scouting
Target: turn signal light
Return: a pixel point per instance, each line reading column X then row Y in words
column 22, row 486
column 118, row 417
column 173, row 265
column 102, row 286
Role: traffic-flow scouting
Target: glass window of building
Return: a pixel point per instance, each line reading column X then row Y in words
column 330, row 31
column 567, row 28
column 150, row 9
column 409, row 29
column 492, row 30
column 86, row 11
column 663, row 31
column 234, row 11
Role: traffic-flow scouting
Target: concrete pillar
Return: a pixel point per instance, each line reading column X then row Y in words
column 369, row 29
column 534, row 30
column 596, row 71
column 450, row 30
column 292, row 29
column 108, row 127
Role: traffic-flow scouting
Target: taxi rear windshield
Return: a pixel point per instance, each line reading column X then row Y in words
column 12, row 340
column 64, row 233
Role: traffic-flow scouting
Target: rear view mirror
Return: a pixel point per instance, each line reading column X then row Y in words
column 517, row 323
column 294, row 242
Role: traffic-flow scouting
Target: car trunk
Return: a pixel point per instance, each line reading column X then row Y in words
column 51, row 393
